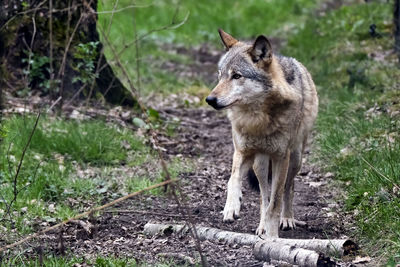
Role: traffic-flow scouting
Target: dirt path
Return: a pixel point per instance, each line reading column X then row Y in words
column 204, row 135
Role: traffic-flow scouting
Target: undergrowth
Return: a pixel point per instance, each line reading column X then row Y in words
column 69, row 166
column 358, row 122
column 200, row 22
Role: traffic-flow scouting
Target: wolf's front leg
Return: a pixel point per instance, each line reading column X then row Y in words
column 240, row 167
column 260, row 166
column 269, row 224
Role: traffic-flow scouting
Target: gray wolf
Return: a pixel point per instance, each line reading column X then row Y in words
column 272, row 104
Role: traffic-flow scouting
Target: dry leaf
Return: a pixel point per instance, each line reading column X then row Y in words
column 359, row 259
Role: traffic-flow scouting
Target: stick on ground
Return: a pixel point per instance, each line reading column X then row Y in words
column 37, row 234
column 295, row 251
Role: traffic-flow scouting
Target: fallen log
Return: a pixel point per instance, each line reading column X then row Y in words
column 332, row 247
column 269, row 251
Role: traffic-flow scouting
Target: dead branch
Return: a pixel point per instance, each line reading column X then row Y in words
column 147, row 213
column 327, row 246
column 135, row 95
column 267, row 251
column 84, row 214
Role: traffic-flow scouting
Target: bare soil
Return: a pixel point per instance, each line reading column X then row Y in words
column 203, row 135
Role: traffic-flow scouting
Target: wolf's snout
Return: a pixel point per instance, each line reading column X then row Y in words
column 212, row 101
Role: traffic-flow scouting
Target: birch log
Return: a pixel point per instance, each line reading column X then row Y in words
column 269, row 251
column 336, row 247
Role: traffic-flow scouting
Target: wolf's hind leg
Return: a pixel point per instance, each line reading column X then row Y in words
column 287, row 216
column 240, row 167
column 270, row 225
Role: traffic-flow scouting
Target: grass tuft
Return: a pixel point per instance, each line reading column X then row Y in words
column 358, row 128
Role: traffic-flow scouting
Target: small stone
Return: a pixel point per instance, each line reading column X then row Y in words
column 52, row 209
column 329, row 175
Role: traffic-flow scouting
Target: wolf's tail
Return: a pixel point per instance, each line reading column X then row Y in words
column 253, row 180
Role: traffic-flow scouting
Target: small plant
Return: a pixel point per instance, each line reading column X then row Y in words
column 37, row 71
column 85, row 56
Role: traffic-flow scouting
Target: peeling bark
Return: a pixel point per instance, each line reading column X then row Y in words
column 288, row 250
column 268, row 251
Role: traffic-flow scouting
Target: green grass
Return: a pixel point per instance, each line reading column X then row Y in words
column 243, row 19
column 359, row 144
column 69, row 165
column 70, row 260
column 50, row 261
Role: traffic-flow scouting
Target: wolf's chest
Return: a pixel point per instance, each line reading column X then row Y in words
column 273, row 144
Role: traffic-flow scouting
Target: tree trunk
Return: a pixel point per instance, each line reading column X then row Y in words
column 53, row 47
column 396, row 22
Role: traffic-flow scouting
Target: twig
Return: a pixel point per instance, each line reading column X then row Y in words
column 137, row 51
column 122, row 9
column 146, row 212
column 172, row 26
column 15, row 190
column 380, row 173
column 98, row 68
column 51, row 43
column 30, row 51
column 61, row 71
column 132, row 89
column 84, row 214
column 23, row 13
column 134, row 92
column 54, row 103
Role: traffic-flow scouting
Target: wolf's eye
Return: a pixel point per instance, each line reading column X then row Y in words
column 236, row 76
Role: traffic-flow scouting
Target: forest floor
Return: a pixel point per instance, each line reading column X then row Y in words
column 204, row 136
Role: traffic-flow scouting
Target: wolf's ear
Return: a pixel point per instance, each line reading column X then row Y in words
column 227, row 39
column 261, row 50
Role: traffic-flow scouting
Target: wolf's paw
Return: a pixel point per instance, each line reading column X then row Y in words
column 288, row 224
column 260, row 230
column 231, row 211
column 268, row 232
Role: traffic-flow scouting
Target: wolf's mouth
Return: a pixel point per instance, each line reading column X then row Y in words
column 218, row 107
column 213, row 101
column 227, row 106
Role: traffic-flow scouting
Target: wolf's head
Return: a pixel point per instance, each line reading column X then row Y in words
column 245, row 72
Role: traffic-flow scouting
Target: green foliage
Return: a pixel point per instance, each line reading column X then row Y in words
column 67, row 261
column 37, row 70
column 358, row 139
column 84, row 64
column 49, row 173
column 175, row 167
column 243, row 19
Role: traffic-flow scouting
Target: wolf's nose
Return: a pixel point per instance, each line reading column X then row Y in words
column 211, row 100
